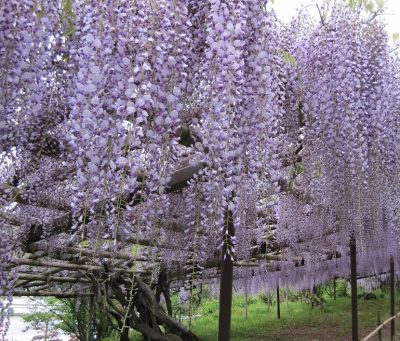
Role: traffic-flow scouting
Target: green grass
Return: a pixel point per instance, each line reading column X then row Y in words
column 299, row 322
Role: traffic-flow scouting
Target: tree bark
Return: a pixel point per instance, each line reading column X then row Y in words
column 150, row 315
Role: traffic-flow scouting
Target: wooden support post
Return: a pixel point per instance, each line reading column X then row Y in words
column 314, row 293
column 90, row 324
column 46, row 331
column 287, row 296
column 392, row 323
column 334, row 288
column 246, row 298
column 225, row 293
column 379, row 323
column 278, row 303
column 245, row 302
column 353, row 281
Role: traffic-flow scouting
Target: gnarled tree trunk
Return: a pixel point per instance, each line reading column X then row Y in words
column 141, row 310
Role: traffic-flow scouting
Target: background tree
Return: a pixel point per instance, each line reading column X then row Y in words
column 80, row 317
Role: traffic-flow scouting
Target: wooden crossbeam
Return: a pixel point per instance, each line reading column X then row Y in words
column 65, row 265
column 47, row 293
column 49, row 278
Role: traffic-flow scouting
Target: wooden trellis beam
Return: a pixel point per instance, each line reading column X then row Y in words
column 65, row 265
column 48, row 293
column 49, row 278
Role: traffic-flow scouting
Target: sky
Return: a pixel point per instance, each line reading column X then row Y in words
column 286, row 9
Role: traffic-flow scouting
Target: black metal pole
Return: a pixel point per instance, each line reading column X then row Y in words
column 392, row 323
column 225, row 293
column 278, row 303
column 353, row 281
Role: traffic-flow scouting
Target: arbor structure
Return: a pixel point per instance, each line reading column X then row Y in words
column 155, row 145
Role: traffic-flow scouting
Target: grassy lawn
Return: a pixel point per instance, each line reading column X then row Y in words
column 299, row 322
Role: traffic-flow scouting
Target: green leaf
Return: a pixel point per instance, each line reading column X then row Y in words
column 135, row 250
column 288, row 58
column 67, row 17
column 352, row 3
column 70, row 32
column 368, row 5
column 380, row 3
column 319, row 169
column 39, row 10
column 299, row 168
column 67, row 8
column 84, row 243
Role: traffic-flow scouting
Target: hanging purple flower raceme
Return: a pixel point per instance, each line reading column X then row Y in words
column 32, row 103
column 131, row 83
column 239, row 123
column 349, row 119
column 29, row 53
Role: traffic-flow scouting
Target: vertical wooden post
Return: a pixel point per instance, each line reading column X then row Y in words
column 287, row 296
column 379, row 323
column 46, row 330
column 225, row 292
column 392, row 323
column 245, row 299
column 90, row 315
column 278, row 303
column 334, row 288
column 314, row 293
column 353, row 281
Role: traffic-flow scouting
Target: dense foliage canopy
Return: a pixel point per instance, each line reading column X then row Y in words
column 141, row 141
